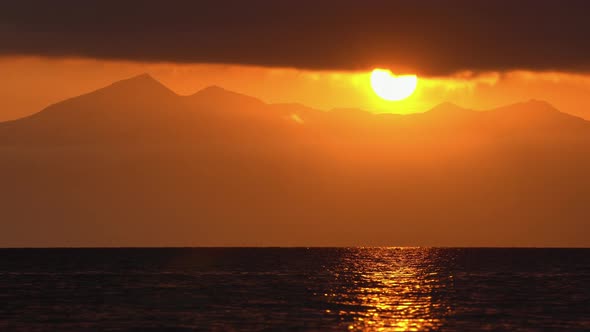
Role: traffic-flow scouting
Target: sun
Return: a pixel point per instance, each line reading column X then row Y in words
column 391, row 87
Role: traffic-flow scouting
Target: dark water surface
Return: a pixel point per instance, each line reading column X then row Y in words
column 387, row 289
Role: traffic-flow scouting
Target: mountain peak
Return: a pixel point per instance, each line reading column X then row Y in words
column 217, row 91
column 447, row 106
column 539, row 102
column 531, row 107
column 140, row 92
column 142, row 76
column 214, row 89
column 448, row 110
column 216, row 95
column 143, row 83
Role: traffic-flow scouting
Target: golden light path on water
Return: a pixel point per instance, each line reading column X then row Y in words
column 391, row 289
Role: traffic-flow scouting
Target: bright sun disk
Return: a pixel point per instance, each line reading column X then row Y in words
column 391, row 87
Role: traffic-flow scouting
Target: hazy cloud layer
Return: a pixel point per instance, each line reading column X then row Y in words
column 429, row 37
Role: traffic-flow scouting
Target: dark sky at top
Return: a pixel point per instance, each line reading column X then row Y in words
column 427, row 37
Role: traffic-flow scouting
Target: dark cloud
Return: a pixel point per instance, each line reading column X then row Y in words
column 429, row 37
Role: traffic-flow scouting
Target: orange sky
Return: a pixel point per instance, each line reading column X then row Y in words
column 31, row 83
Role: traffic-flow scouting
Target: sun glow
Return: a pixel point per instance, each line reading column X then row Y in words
column 391, row 87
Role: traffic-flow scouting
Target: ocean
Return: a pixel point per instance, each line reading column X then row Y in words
column 298, row 289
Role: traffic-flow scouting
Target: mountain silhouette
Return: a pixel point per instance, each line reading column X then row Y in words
column 134, row 164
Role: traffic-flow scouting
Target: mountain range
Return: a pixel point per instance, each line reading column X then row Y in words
column 134, row 164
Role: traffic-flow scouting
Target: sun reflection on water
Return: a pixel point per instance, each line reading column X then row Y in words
column 390, row 289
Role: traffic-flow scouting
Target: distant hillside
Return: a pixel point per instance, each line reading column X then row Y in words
column 134, row 164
